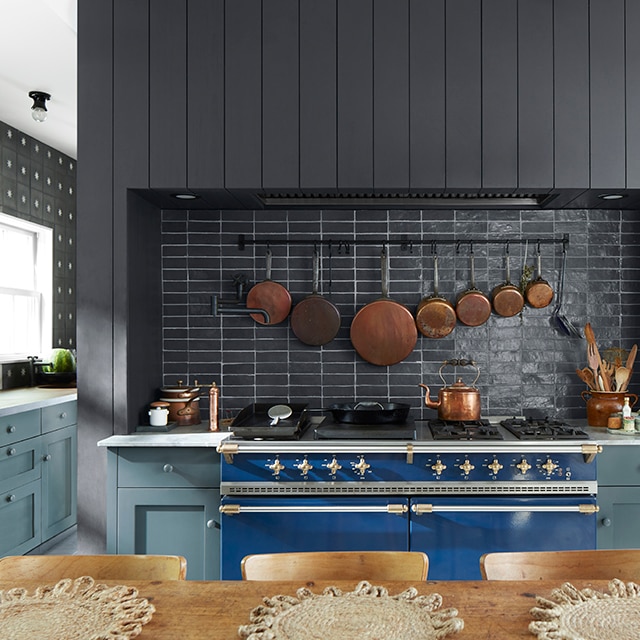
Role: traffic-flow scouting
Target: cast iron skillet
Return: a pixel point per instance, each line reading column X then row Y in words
column 370, row 412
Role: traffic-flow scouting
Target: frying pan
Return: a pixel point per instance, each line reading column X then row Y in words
column 538, row 292
column 473, row 308
column 384, row 332
column 507, row 299
column 435, row 317
column 270, row 296
column 370, row 412
column 315, row 320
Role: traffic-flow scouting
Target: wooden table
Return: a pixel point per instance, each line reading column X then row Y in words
column 214, row 610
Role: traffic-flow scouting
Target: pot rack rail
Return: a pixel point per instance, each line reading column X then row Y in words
column 404, row 242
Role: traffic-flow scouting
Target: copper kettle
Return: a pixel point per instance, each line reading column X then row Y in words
column 458, row 401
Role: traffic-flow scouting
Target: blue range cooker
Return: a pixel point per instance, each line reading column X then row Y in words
column 493, row 488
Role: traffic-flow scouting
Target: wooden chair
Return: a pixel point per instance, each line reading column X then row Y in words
column 100, row 567
column 336, row 565
column 592, row 564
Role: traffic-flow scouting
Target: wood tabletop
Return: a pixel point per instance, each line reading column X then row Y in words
column 214, row 610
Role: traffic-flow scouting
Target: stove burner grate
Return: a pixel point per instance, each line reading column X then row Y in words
column 464, row 430
column 542, row 429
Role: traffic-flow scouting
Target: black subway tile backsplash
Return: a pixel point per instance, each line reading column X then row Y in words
column 525, row 365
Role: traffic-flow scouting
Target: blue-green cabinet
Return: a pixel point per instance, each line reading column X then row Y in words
column 38, row 476
column 165, row 500
column 619, row 497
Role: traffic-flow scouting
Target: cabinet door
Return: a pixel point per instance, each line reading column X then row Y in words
column 20, row 519
column 59, row 480
column 182, row 522
column 619, row 517
column 19, row 463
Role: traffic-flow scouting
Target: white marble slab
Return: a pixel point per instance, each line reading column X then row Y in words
column 181, row 439
column 27, row 398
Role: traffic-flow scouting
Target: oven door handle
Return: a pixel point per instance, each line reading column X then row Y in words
column 587, row 509
column 234, row 509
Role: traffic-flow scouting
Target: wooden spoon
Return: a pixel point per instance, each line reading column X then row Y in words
column 586, row 375
column 593, row 355
column 632, row 356
column 622, row 378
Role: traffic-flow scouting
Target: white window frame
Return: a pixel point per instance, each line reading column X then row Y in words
column 43, row 282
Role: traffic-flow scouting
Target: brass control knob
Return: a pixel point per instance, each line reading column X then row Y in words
column 524, row 466
column 549, row 466
column 276, row 467
column 304, row 467
column 333, row 466
column 495, row 466
column 466, row 467
column 362, row 466
column 438, row 467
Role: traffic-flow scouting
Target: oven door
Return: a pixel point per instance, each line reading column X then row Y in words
column 455, row 532
column 277, row 525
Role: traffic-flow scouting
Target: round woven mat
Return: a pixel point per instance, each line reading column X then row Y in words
column 76, row 609
column 572, row 614
column 367, row 613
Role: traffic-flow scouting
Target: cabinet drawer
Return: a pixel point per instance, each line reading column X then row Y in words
column 20, row 463
column 168, row 467
column 19, row 426
column 59, row 415
column 619, row 466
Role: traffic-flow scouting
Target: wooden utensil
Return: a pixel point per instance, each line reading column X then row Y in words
column 593, row 355
column 607, row 370
column 632, row 357
column 586, row 376
column 622, row 378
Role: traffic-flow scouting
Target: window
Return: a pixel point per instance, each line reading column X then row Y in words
column 25, row 288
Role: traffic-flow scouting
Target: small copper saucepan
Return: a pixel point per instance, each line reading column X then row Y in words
column 435, row 316
column 506, row 298
column 538, row 292
column 184, row 404
column 473, row 308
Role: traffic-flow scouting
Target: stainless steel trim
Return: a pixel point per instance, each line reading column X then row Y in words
column 433, row 488
column 587, row 509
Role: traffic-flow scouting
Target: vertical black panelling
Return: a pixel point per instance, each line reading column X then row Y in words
column 280, row 94
column 427, row 95
column 499, row 94
column 632, row 89
column 355, row 94
column 167, row 93
column 607, row 31
column 463, row 95
column 95, row 274
column 391, row 95
column 571, row 93
column 131, row 147
column 318, row 126
column 243, row 88
column 205, row 94
column 535, row 93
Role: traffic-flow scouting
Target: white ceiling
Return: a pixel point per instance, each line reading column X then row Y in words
column 38, row 53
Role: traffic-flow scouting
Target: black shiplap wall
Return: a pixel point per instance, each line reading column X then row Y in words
column 38, row 184
column 526, row 366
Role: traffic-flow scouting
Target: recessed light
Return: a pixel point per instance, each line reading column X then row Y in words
column 185, row 196
column 611, row 196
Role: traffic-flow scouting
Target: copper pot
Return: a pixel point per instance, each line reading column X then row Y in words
column 457, row 401
column 184, row 404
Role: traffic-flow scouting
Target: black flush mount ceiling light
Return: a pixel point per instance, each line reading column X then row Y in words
column 39, row 108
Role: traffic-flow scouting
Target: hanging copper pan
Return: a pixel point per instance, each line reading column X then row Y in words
column 506, row 298
column 315, row 320
column 435, row 317
column 539, row 292
column 270, row 296
column 384, row 332
column 473, row 308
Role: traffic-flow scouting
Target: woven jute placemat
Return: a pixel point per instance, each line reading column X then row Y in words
column 79, row 609
column 367, row 613
column 587, row 614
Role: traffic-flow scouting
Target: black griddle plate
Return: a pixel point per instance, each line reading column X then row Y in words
column 253, row 422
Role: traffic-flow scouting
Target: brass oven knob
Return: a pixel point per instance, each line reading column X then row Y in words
column 438, row 467
column 495, row 466
column 304, row 466
column 276, row 467
column 333, row 466
column 524, row 466
column 362, row 466
column 549, row 466
column 466, row 467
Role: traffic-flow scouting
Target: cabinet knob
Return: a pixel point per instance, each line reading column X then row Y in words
column 212, row 524
column 63, row 415
column 168, row 468
column 46, row 457
column 11, row 429
column 606, row 522
column 11, row 452
column 11, row 498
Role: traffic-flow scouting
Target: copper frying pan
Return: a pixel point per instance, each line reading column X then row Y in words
column 507, row 299
column 315, row 320
column 435, row 317
column 539, row 292
column 384, row 331
column 473, row 308
column 270, row 296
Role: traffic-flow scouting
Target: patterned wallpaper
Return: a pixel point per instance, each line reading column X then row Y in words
column 38, row 184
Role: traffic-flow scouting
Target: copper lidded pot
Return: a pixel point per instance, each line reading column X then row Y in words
column 457, row 401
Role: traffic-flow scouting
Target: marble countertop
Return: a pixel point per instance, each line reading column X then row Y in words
column 27, row 398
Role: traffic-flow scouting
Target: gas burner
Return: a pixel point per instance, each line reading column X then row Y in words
column 463, row 430
column 542, row 429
